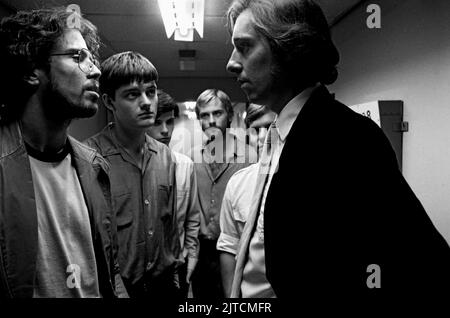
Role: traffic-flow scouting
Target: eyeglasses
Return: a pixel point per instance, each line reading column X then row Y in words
column 85, row 59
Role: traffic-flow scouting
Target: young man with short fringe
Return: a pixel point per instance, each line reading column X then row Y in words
column 142, row 178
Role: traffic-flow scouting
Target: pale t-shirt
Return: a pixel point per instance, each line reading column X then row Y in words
column 66, row 265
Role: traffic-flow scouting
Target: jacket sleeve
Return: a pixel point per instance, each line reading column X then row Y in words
column 119, row 285
column 413, row 253
column 172, row 232
column 192, row 224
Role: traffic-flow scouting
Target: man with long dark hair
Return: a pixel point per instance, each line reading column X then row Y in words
column 332, row 213
column 57, row 230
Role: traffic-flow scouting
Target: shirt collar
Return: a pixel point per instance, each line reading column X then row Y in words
column 150, row 143
column 285, row 120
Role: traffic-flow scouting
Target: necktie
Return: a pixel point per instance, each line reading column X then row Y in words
column 269, row 148
column 263, row 175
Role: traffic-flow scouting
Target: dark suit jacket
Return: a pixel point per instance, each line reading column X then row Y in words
column 338, row 204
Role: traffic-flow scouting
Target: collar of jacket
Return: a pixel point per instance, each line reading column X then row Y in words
column 18, row 216
column 11, row 141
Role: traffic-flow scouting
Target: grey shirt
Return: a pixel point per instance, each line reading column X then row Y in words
column 66, row 265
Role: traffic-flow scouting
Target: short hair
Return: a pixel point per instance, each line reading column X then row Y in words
column 166, row 104
column 26, row 41
column 125, row 68
column 254, row 111
column 214, row 93
column 298, row 35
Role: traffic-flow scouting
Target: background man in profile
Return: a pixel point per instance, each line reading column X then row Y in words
column 58, row 235
column 334, row 202
column 188, row 213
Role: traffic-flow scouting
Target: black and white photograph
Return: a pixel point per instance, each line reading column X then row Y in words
column 225, row 157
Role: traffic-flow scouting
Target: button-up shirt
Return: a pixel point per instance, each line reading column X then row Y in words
column 211, row 188
column 188, row 214
column 250, row 277
column 235, row 207
column 144, row 200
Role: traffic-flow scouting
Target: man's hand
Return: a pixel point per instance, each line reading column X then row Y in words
column 192, row 262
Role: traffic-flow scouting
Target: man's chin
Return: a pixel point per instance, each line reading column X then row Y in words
column 146, row 124
column 213, row 131
column 165, row 141
column 85, row 111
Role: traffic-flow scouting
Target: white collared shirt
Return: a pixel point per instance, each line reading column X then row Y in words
column 254, row 281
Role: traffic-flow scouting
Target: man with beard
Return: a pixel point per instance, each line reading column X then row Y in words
column 219, row 159
column 58, row 232
column 333, row 217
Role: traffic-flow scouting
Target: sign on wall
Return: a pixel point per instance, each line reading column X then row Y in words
column 388, row 115
column 370, row 110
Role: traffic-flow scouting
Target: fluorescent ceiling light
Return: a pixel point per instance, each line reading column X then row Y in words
column 182, row 17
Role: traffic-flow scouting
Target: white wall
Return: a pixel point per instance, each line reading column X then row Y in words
column 407, row 59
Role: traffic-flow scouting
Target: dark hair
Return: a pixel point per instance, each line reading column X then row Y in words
column 125, row 68
column 26, row 42
column 298, row 34
column 166, row 104
column 214, row 93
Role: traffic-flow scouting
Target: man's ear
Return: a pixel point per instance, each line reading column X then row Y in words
column 35, row 77
column 108, row 102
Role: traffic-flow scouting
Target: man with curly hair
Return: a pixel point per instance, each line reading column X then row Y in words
column 57, row 229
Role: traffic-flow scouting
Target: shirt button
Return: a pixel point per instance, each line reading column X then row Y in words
column 147, row 202
column 150, row 233
column 212, row 201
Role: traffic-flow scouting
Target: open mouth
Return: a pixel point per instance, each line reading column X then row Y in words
column 93, row 94
column 93, row 90
column 243, row 83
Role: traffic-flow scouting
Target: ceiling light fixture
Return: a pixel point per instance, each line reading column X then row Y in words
column 182, row 17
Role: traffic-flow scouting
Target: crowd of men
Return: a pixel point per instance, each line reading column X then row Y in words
column 122, row 215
